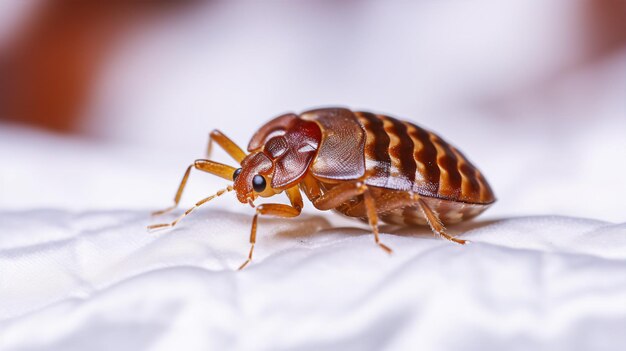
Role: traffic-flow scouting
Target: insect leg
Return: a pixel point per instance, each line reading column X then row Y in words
column 198, row 204
column 372, row 217
column 278, row 210
column 435, row 223
column 402, row 199
column 344, row 192
column 212, row 167
column 338, row 195
column 225, row 143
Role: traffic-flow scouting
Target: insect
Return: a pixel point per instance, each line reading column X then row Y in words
column 363, row 165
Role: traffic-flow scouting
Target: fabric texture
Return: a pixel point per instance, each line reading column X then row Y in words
column 69, row 280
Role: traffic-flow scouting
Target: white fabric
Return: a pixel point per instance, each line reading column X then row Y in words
column 98, row 281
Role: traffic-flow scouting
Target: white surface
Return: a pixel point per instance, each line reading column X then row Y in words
column 98, row 281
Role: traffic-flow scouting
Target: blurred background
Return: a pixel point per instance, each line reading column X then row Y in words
column 103, row 104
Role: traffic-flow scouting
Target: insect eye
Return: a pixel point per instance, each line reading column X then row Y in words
column 258, row 183
column 236, row 173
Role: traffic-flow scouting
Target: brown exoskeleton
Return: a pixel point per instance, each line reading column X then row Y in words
column 360, row 164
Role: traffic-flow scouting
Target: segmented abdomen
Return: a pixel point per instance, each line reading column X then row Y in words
column 402, row 156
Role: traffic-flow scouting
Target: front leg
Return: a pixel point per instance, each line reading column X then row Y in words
column 225, row 143
column 277, row 210
column 215, row 168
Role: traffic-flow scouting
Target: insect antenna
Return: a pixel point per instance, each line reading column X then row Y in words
column 221, row 192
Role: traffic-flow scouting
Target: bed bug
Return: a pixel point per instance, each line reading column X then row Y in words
column 363, row 165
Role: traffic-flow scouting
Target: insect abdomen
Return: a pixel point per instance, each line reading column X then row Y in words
column 402, row 156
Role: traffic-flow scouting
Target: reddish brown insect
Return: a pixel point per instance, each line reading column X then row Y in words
column 360, row 164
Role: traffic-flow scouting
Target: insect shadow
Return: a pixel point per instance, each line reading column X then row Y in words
column 461, row 229
column 308, row 225
column 304, row 225
column 410, row 231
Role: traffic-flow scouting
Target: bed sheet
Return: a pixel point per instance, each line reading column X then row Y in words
column 71, row 279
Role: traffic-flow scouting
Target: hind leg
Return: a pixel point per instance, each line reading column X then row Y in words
column 404, row 199
column 400, row 199
column 435, row 223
